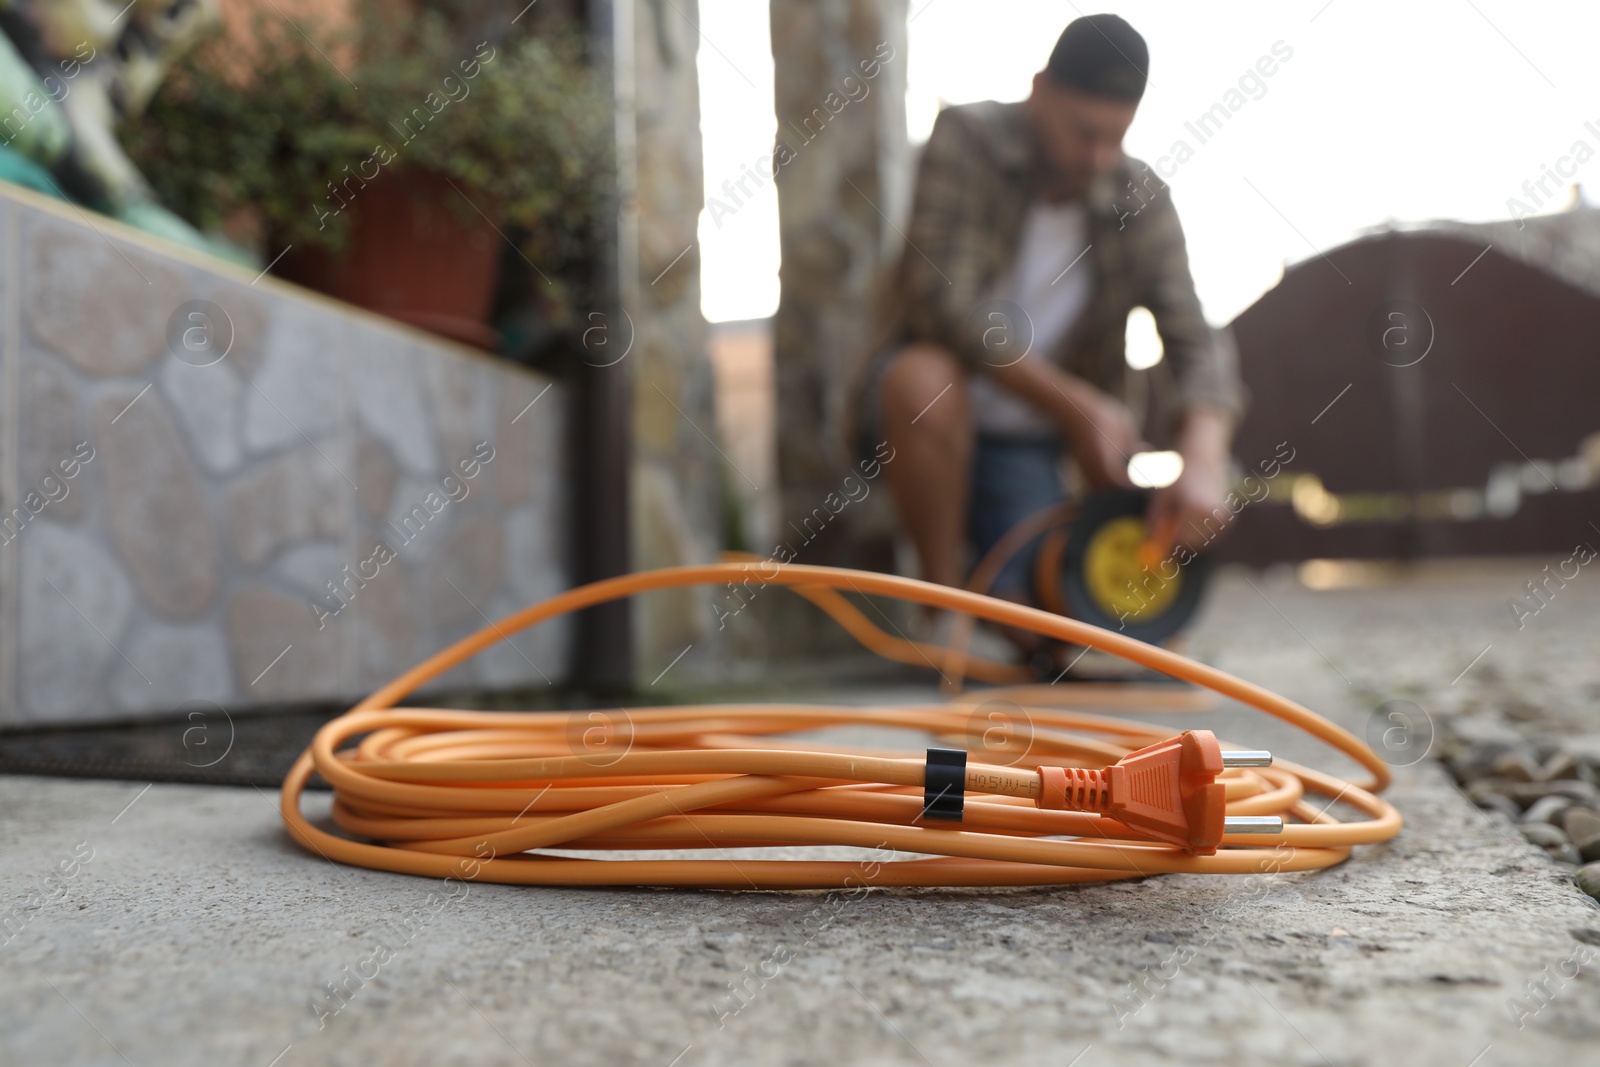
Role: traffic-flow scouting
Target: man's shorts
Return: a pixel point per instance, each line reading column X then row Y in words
column 1012, row 477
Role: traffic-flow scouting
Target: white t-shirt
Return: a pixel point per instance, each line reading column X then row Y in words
column 1051, row 282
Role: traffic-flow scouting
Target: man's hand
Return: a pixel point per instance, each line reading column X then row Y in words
column 1097, row 425
column 1103, row 438
column 1180, row 513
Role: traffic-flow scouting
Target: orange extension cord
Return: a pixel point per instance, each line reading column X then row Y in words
column 480, row 795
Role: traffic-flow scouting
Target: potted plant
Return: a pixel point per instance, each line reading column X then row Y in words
column 385, row 163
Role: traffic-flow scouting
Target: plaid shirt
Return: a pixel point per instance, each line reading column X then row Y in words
column 974, row 184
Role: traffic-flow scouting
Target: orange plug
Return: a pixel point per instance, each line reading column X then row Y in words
column 1168, row 791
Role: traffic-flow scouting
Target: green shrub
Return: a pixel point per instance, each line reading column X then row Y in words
column 285, row 137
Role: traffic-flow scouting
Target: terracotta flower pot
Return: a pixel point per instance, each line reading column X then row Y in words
column 417, row 253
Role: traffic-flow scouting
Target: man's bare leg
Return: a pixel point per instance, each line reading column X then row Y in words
column 928, row 422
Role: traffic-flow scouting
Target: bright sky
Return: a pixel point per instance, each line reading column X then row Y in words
column 1385, row 111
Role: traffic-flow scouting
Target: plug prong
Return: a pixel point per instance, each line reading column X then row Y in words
column 1252, row 824
column 1247, row 758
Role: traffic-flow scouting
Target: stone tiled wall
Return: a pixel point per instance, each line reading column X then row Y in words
column 843, row 199
column 677, row 469
column 188, row 556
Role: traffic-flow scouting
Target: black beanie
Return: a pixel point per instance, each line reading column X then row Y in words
column 1101, row 55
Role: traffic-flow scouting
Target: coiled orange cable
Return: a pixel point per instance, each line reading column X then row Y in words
column 485, row 796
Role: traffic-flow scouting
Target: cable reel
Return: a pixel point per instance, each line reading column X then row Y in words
column 1093, row 567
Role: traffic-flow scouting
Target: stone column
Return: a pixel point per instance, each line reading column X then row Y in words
column 676, row 495
column 841, row 193
column 843, row 188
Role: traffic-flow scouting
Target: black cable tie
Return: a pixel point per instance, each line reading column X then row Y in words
column 944, row 790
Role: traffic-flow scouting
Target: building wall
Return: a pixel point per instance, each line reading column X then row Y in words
column 746, row 403
column 226, row 469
